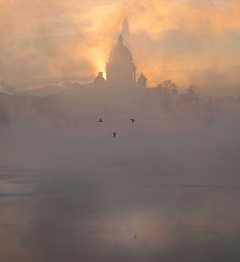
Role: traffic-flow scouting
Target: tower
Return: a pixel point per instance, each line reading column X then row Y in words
column 142, row 81
column 100, row 81
column 125, row 29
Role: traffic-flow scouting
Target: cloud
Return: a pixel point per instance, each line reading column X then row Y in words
column 7, row 88
column 65, row 86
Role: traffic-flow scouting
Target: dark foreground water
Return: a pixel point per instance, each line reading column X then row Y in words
column 73, row 196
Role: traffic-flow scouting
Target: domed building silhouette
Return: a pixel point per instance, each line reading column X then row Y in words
column 120, row 70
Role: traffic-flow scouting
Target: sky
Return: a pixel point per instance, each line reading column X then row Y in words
column 190, row 42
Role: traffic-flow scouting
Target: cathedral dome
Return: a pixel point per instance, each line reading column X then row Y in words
column 120, row 52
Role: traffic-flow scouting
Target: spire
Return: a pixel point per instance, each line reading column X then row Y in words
column 120, row 40
column 125, row 28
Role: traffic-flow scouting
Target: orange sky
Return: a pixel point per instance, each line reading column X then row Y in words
column 190, row 42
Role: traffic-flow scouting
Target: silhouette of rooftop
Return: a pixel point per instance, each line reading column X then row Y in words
column 120, row 52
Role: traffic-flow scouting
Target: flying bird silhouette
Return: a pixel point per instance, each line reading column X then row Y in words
column 132, row 120
column 100, row 120
column 114, row 134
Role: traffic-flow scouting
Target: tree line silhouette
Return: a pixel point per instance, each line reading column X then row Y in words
column 70, row 107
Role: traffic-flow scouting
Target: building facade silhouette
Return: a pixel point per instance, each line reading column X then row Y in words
column 120, row 69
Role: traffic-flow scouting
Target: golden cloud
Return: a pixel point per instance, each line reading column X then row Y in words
column 168, row 39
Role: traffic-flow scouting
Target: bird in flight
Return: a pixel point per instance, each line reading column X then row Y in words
column 100, row 120
column 132, row 120
column 114, row 134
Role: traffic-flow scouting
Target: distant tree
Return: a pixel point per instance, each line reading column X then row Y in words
column 4, row 119
column 168, row 91
column 191, row 94
column 168, row 88
column 4, row 102
column 210, row 106
column 193, row 91
column 40, row 105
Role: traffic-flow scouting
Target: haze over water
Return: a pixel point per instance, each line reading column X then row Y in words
column 162, row 190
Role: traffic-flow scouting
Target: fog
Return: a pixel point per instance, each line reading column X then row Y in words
column 166, row 188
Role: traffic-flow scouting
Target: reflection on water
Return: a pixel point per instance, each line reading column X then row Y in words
column 28, row 182
column 85, row 218
column 17, row 194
